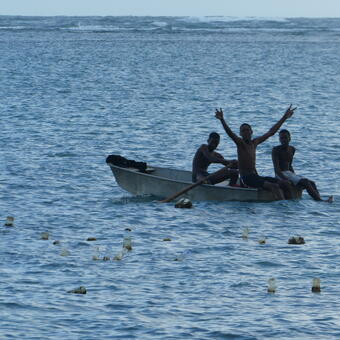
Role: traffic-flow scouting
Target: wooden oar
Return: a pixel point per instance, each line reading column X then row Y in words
column 188, row 188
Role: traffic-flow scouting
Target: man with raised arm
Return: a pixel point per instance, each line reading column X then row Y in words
column 206, row 155
column 246, row 151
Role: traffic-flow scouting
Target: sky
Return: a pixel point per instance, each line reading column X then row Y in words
column 237, row 8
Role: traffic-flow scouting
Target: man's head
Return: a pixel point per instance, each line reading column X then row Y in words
column 213, row 141
column 284, row 137
column 246, row 131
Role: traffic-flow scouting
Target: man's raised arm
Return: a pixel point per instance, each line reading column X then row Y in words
column 230, row 133
column 289, row 112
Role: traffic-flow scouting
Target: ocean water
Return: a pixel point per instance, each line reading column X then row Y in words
column 76, row 89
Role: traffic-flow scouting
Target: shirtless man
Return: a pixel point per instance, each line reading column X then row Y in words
column 205, row 155
column 246, row 151
column 282, row 156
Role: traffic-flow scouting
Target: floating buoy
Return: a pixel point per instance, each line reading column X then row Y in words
column 262, row 241
column 296, row 240
column 96, row 257
column 183, row 203
column 271, row 285
column 127, row 243
column 245, row 233
column 119, row 256
column 44, row 236
column 64, row 252
column 183, row 255
column 316, row 285
column 80, row 290
column 91, row 239
column 9, row 221
column 166, row 239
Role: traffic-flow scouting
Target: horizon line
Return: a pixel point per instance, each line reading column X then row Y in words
column 170, row 16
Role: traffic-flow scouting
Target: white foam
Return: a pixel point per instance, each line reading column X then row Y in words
column 97, row 28
column 208, row 19
column 12, row 27
column 159, row 23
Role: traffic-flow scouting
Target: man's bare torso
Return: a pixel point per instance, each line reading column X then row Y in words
column 246, row 153
column 285, row 156
column 200, row 162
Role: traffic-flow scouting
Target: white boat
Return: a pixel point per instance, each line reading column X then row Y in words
column 164, row 182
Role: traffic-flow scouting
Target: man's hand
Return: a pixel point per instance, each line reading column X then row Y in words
column 219, row 114
column 289, row 111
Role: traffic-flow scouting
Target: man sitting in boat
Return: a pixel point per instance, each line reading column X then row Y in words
column 282, row 156
column 206, row 155
column 246, row 151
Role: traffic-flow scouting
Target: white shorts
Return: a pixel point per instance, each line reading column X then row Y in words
column 294, row 178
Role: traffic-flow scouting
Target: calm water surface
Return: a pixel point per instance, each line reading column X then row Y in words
column 77, row 89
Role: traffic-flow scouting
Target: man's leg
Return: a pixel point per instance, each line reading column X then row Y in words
column 287, row 189
column 313, row 191
column 311, row 188
column 233, row 175
column 223, row 175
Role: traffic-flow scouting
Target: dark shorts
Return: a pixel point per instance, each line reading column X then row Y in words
column 200, row 175
column 256, row 181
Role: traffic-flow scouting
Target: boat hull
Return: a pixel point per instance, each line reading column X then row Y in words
column 164, row 182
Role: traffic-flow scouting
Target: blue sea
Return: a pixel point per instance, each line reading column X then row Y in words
column 76, row 89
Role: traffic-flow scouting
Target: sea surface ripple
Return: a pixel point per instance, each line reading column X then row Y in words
column 76, row 89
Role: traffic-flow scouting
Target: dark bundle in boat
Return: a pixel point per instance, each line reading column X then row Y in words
column 126, row 163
